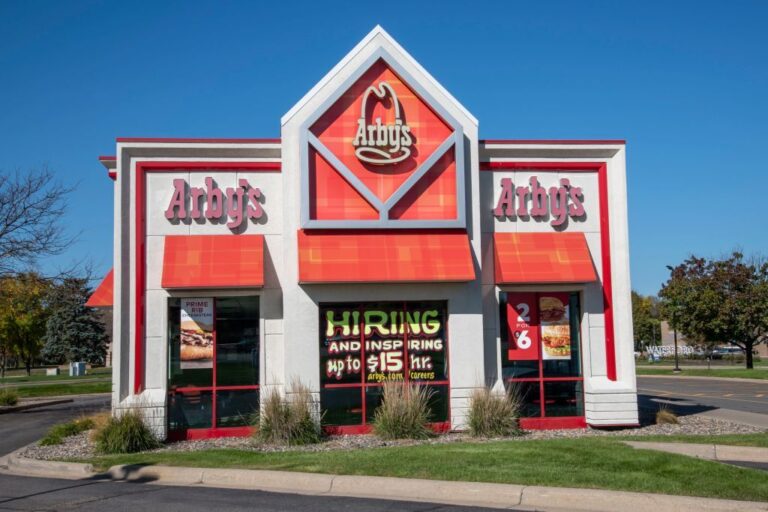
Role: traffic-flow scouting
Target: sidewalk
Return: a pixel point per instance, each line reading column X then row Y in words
column 502, row 496
column 716, row 452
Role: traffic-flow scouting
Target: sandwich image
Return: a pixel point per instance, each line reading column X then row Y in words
column 556, row 341
column 196, row 344
column 551, row 309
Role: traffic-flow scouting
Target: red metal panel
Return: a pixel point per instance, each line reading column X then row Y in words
column 139, row 247
column 213, row 261
column 103, row 295
column 382, row 257
column 553, row 423
column 542, row 258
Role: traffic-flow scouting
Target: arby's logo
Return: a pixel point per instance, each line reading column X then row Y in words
column 377, row 143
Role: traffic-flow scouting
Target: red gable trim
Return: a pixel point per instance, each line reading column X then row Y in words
column 103, row 295
column 399, row 257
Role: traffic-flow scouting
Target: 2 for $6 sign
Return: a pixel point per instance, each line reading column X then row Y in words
column 523, row 328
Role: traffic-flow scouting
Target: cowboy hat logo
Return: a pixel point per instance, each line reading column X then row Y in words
column 380, row 144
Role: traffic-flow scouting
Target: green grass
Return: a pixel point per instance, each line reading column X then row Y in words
column 758, row 440
column 57, row 433
column 19, row 376
column 60, row 390
column 599, row 463
column 741, row 373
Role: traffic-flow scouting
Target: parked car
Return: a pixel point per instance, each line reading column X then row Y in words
column 721, row 352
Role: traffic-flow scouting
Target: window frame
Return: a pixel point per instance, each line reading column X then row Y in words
column 365, row 426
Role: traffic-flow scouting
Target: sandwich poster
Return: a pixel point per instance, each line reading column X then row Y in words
column 522, row 325
column 196, row 333
column 555, row 326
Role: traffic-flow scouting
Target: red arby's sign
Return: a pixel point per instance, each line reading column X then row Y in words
column 535, row 200
column 522, row 325
column 211, row 202
column 377, row 143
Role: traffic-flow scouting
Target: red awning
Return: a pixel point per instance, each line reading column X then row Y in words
column 213, row 261
column 542, row 258
column 402, row 257
column 102, row 296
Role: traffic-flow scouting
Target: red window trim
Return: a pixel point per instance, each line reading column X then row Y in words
column 338, row 430
column 142, row 168
column 601, row 168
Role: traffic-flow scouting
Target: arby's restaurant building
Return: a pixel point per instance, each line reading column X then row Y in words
column 378, row 239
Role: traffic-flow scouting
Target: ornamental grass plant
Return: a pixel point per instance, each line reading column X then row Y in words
column 666, row 416
column 57, row 433
column 8, row 397
column 126, row 433
column 404, row 412
column 494, row 413
column 288, row 421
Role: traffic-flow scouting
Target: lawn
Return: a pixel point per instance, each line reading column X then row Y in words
column 599, row 463
column 740, row 373
column 78, row 388
column 19, row 376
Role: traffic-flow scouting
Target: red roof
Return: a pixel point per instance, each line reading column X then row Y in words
column 388, row 257
column 102, row 296
column 542, row 258
column 213, row 261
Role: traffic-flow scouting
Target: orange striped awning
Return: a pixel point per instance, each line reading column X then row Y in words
column 213, row 261
column 102, row 296
column 542, row 258
column 401, row 257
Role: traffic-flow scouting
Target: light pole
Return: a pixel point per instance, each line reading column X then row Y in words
column 676, row 369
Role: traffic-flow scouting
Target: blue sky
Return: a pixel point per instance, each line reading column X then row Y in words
column 685, row 83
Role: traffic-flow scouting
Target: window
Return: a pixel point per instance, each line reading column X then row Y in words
column 541, row 352
column 213, row 374
column 362, row 346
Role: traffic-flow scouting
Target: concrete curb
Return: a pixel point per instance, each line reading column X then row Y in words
column 477, row 494
column 34, row 405
column 699, row 377
column 716, row 452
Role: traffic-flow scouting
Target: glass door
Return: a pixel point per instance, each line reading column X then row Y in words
column 541, row 356
column 213, row 367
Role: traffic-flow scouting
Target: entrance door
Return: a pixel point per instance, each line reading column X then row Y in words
column 213, row 366
column 541, row 357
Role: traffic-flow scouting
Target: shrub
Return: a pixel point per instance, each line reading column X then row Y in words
column 57, row 433
column 8, row 397
column 290, row 422
column 127, row 433
column 404, row 412
column 665, row 416
column 494, row 414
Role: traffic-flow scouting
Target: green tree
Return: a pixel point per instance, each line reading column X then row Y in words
column 645, row 320
column 719, row 300
column 73, row 330
column 23, row 316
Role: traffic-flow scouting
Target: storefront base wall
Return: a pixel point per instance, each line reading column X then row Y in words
column 611, row 408
column 152, row 405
